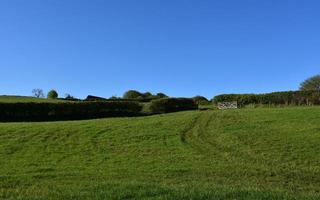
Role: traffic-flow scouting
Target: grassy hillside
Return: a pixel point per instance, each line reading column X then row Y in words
column 24, row 99
column 232, row 154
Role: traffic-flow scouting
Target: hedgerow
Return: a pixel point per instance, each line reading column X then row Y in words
column 275, row 98
column 167, row 105
column 67, row 110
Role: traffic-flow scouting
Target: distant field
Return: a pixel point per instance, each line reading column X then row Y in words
column 231, row 154
column 24, row 99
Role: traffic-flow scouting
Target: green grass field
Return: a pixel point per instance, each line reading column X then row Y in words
column 233, row 154
column 25, row 99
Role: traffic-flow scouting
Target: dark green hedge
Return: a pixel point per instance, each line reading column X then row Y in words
column 275, row 98
column 67, row 110
column 167, row 105
column 94, row 98
column 100, row 99
column 200, row 100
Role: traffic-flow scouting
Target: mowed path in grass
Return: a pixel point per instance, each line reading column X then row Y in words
column 233, row 154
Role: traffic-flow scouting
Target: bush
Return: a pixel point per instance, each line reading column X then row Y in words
column 147, row 95
column 52, row 94
column 114, row 97
column 69, row 97
column 161, row 95
column 67, row 110
column 200, row 100
column 167, row 105
column 144, row 97
column 275, row 98
column 132, row 94
column 95, row 98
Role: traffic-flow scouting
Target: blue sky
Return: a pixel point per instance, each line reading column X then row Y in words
column 179, row 47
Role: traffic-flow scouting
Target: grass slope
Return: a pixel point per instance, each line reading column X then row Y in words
column 233, row 154
column 25, row 99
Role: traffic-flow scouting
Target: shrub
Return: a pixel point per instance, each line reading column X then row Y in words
column 131, row 94
column 114, row 97
column 167, row 105
column 147, row 95
column 200, row 100
column 274, row 98
column 142, row 97
column 67, row 110
column 69, row 97
column 52, row 94
column 95, row 98
column 161, row 95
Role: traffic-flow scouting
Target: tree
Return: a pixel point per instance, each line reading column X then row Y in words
column 38, row 93
column 147, row 95
column 161, row 95
column 52, row 94
column 114, row 97
column 131, row 94
column 68, row 96
column 200, row 100
column 312, row 83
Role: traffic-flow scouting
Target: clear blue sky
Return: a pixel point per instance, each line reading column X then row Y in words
column 179, row 47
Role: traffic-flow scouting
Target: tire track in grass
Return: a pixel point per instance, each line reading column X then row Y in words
column 194, row 134
column 189, row 129
column 203, row 135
